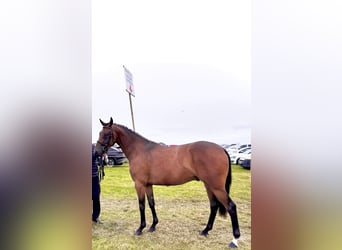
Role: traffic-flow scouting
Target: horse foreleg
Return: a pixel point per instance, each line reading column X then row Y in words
column 141, row 198
column 150, row 198
column 213, row 211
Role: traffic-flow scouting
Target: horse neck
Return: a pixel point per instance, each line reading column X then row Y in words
column 128, row 140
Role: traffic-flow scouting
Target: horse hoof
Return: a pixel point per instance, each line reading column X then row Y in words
column 152, row 229
column 138, row 232
column 232, row 245
column 204, row 233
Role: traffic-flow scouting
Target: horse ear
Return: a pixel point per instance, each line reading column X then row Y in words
column 103, row 124
column 111, row 122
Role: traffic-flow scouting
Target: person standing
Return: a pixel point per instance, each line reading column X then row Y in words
column 96, row 189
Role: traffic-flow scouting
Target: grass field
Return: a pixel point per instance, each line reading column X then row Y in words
column 182, row 210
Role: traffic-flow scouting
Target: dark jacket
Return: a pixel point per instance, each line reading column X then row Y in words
column 95, row 169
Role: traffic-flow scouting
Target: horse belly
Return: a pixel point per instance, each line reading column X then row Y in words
column 171, row 177
column 167, row 167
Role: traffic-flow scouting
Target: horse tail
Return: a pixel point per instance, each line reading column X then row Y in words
column 229, row 176
column 222, row 209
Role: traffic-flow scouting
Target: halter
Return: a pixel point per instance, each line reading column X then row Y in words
column 105, row 145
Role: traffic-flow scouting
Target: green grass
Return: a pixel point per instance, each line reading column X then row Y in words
column 182, row 210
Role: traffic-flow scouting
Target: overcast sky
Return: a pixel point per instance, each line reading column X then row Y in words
column 191, row 66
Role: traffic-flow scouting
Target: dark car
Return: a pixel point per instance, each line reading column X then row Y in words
column 115, row 156
column 245, row 163
column 245, row 160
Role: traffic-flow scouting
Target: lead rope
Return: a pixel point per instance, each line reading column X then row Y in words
column 101, row 169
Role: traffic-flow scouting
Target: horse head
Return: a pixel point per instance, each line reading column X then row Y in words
column 106, row 139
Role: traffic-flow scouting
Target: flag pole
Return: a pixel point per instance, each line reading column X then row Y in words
column 130, row 103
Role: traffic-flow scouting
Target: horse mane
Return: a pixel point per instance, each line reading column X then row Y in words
column 135, row 133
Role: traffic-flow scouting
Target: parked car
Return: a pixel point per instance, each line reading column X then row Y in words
column 235, row 155
column 245, row 161
column 232, row 147
column 242, row 146
column 115, row 156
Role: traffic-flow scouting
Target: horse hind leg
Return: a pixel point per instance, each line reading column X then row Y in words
column 230, row 206
column 234, row 219
column 212, row 216
column 150, row 198
column 214, row 205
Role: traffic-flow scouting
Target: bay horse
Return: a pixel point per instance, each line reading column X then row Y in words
column 153, row 164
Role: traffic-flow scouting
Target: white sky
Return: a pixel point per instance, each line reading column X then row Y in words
column 191, row 66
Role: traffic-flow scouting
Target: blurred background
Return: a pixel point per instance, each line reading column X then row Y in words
column 46, row 124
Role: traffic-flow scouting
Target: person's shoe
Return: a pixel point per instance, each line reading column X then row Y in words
column 98, row 221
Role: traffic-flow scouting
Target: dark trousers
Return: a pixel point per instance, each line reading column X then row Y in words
column 96, row 197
